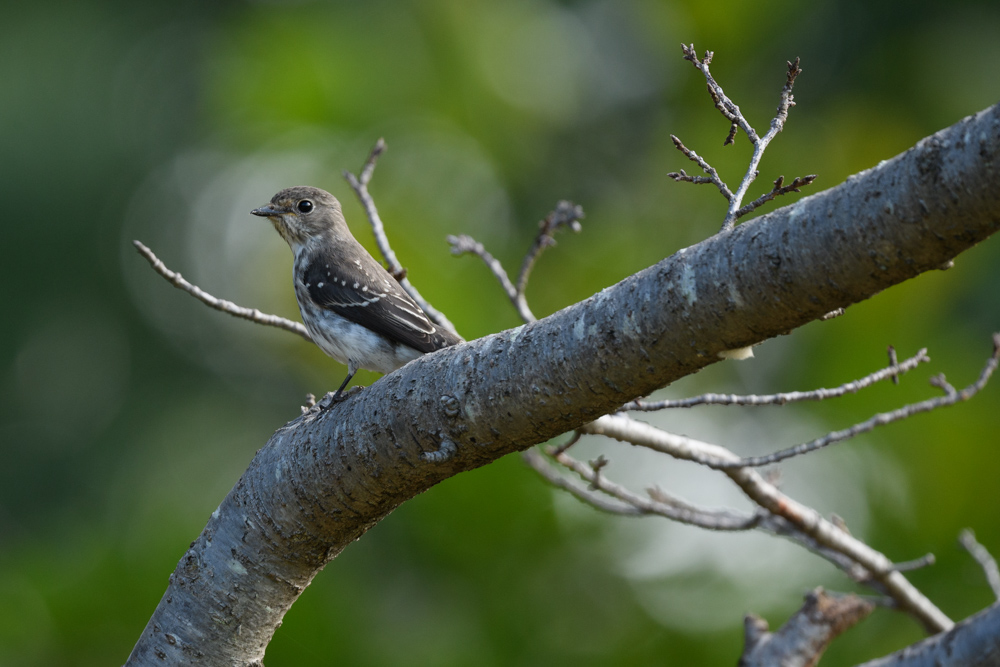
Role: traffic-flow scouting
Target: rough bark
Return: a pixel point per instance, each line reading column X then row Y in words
column 802, row 640
column 975, row 642
column 323, row 479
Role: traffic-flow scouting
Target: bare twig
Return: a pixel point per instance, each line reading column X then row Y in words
column 951, row 397
column 566, row 214
column 697, row 180
column 893, row 361
column 360, row 186
column 782, row 527
column 883, row 575
column 658, row 503
column 713, row 175
column 726, row 106
column 731, row 112
column 601, row 501
column 229, row 307
column 916, row 564
column 893, row 372
column 559, row 449
column 778, row 190
column 622, row 504
column 986, row 561
column 463, row 244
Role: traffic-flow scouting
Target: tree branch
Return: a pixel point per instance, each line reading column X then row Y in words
column 968, row 541
column 951, row 397
column 893, row 371
column 360, row 186
column 737, row 121
column 804, row 637
column 659, row 501
column 566, row 214
column 325, row 478
column 975, row 642
column 805, row 519
column 229, row 307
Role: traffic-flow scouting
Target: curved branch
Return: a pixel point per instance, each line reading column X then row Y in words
column 983, row 557
column 326, row 477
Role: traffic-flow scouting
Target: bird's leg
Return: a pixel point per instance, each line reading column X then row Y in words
column 351, row 370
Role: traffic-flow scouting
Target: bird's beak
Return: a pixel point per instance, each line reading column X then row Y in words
column 267, row 211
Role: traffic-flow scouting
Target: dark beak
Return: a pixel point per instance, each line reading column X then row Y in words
column 267, row 211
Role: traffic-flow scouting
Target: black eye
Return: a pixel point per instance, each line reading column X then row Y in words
column 305, row 206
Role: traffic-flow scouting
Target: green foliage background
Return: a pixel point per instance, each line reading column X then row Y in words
column 127, row 411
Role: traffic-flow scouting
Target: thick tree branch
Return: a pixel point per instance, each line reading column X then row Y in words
column 325, row 478
column 975, row 642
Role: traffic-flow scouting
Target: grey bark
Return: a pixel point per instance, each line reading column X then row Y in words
column 324, row 478
column 975, row 642
column 802, row 640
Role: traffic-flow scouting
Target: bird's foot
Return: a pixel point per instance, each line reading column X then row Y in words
column 334, row 397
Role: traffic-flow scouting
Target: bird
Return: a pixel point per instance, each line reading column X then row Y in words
column 354, row 310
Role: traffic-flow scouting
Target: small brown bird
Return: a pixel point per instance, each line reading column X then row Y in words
column 354, row 310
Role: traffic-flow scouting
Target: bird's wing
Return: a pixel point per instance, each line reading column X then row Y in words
column 365, row 293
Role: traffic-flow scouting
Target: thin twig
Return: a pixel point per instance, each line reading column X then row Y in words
column 893, row 372
column 726, row 106
column 805, row 519
column 986, row 561
column 675, row 509
column 229, row 307
column 697, row 180
column 779, row 526
column 772, row 524
column 559, row 449
column 713, row 175
column 778, row 190
column 893, row 361
column 777, row 124
column 731, row 112
column 464, row 243
column 951, row 397
column 603, row 502
column 360, row 186
column 566, row 214
column 916, row 564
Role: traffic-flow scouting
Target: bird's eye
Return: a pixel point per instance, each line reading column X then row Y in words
column 305, row 206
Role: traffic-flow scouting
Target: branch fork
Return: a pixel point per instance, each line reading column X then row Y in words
column 731, row 112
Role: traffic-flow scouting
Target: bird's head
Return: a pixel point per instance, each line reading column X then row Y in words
column 302, row 214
